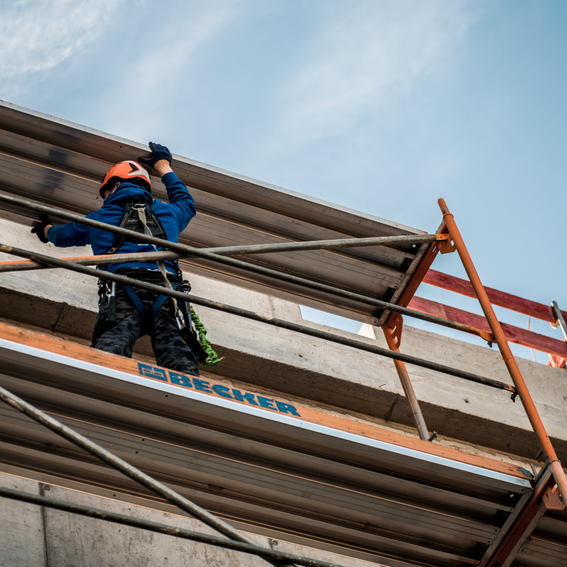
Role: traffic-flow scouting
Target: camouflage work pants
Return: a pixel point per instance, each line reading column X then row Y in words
column 119, row 337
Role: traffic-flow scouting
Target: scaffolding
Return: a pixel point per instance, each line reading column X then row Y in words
column 552, row 484
column 58, row 163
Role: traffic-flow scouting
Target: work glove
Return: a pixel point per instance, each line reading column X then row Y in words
column 39, row 228
column 158, row 152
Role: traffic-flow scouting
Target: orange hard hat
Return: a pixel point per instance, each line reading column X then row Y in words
column 126, row 171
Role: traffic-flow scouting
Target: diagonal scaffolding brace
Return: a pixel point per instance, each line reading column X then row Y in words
column 130, row 471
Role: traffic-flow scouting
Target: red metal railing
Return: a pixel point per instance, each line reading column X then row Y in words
column 517, row 335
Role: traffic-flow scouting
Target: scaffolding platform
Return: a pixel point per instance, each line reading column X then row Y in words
column 269, row 466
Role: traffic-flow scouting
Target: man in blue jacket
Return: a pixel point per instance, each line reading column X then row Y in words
column 126, row 313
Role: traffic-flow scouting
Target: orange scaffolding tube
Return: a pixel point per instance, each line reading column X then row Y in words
column 509, row 360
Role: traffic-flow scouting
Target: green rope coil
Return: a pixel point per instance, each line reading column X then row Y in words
column 212, row 356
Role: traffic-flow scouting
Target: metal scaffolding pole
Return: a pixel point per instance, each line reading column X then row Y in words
column 165, row 255
column 256, row 317
column 507, row 355
column 24, row 265
column 326, row 244
column 403, row 375
column 560, row 319
column 160, row 528
column 188, row 251
column 283, row 247
column 129, row 470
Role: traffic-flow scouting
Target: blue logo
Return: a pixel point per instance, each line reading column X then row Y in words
column 197, row 384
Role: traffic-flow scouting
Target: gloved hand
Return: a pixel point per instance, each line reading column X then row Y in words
column 158, row 152
column 39, row 228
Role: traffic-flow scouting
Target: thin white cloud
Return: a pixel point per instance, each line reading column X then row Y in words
column 36, row 36
column 366, row 56
column 168, row 66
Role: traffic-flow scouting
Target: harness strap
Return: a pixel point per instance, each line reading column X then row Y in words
column 183, row 315
column 131, row 220
column 136, row 300
column 160, row 301
column 157, row 305
column 142, row 215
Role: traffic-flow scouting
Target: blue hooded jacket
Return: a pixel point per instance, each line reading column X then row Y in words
column 173, row 216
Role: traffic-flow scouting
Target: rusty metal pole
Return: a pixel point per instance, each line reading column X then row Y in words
column 407, row 385
column 509, row 360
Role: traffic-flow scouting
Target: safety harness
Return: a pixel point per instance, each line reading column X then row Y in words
column 139, row 217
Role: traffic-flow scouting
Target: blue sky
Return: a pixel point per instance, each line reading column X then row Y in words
column 382, row 106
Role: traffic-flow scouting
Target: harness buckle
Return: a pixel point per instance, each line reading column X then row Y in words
column 111, row 295
column 180, row 320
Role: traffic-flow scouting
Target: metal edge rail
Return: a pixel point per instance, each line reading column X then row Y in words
column 129, row 470
column 25, row 265
column 190, row 251
column 286, row 247
column 326, row 244
column 256, row 317
column 157, row 527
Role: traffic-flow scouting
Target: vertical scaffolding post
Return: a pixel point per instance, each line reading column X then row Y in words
column 393, row 333
column 509, row 360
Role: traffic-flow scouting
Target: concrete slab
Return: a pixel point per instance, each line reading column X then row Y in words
column 22, row 533
column 74, row 540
